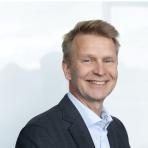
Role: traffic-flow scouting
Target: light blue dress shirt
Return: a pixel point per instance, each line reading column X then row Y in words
column 96, row 125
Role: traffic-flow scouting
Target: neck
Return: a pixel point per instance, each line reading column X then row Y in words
column 95, row 106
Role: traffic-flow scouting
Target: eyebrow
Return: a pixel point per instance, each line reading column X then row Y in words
column 93, row 56
column 86, row 55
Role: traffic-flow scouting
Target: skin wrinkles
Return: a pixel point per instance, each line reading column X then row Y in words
column 92, row 73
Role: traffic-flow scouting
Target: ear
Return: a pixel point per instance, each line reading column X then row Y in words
column 66, row 70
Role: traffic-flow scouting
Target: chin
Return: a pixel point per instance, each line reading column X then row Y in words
column 96, row 98
column 100, row 99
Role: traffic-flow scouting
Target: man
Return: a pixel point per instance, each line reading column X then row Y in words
column 80, row 121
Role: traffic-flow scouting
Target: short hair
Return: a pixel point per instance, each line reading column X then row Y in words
column 96, row 27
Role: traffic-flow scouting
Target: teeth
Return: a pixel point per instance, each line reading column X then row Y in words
column 97, row 82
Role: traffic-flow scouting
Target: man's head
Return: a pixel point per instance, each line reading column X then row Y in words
column 90, row 60
column 96, row 27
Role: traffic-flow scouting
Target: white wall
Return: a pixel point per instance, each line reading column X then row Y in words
column 30, row 62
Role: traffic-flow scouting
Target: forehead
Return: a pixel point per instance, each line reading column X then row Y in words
column 93, row 44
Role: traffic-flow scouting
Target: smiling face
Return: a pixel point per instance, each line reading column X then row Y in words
column 92, row 72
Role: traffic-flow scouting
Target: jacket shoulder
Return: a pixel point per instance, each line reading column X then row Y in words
column 46, row 117
column 118, row 124
column 40, row 130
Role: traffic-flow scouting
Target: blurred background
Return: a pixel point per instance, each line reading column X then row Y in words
column 31, row 77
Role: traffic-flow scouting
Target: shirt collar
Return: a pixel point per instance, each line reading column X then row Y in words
column 90, row 118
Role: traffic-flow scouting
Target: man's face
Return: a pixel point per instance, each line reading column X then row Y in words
column 92, row 72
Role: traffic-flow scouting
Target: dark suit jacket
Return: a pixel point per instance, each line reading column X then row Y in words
column 63, row 127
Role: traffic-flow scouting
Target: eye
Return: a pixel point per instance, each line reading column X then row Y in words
column 86, row 60
column 109, row 60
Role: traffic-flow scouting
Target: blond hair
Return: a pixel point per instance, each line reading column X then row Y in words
column 97, row 27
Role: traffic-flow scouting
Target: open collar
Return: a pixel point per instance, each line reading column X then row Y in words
column 90, row 118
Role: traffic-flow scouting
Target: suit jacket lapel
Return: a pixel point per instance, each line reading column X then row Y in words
column 77, row 127
column 81, row 135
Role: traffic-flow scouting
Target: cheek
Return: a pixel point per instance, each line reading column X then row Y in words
column 76, row 74
column 115, row 74
column 79, row 72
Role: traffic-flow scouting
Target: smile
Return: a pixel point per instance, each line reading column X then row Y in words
column 97, row 82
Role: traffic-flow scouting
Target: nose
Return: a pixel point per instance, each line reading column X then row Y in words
column 99, row 68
